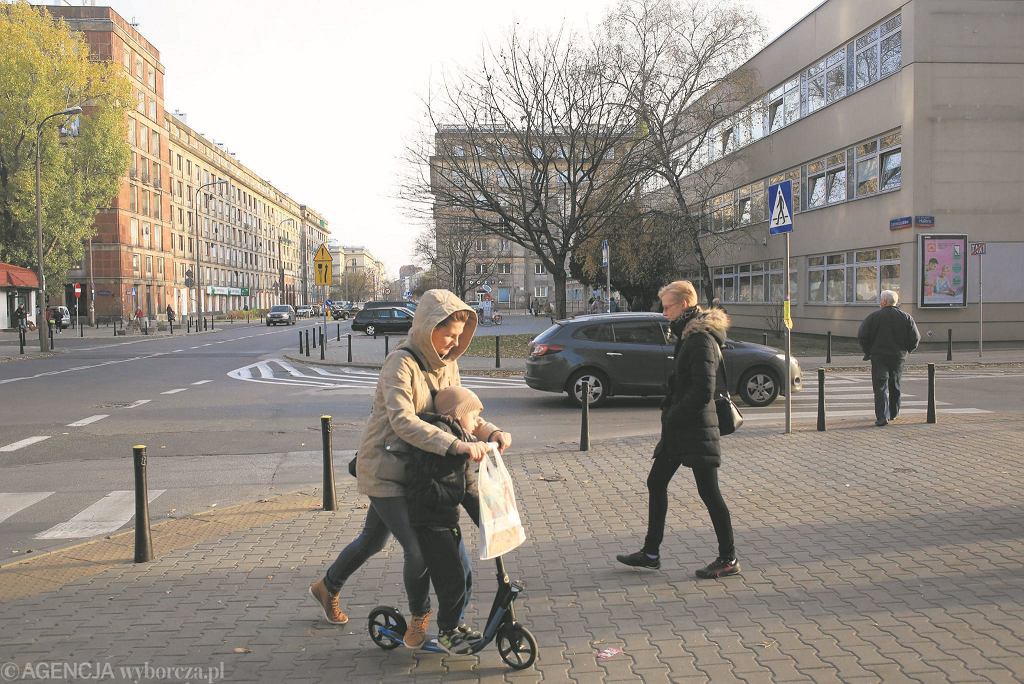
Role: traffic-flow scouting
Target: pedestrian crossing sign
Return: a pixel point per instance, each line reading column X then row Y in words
column 780, row 201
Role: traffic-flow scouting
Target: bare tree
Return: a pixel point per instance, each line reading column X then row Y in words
column 534, row 145
column 449, row 247
column 681, row 62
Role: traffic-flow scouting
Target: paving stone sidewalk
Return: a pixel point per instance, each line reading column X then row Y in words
column 868, row 556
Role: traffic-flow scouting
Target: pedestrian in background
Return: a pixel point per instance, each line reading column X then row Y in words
column 689, row 428
column 886, row 336
column 170, row 313
column 21, row 318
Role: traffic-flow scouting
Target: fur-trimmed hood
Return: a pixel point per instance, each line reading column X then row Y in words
column 714, row 322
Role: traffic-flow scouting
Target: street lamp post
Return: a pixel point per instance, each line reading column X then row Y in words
column 195, row 212
column 41, row 304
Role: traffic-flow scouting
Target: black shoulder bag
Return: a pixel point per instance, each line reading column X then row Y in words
column 433, row 393
column 729, row 417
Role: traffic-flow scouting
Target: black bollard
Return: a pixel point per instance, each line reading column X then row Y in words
column 314, row 338
column 949, row 344
column 211, row 321
column 307, row 342
column 387, row 345
column 821, row 400
column 765, row 339
column 143, row 541
column 828, row 347
column 497, row 351
column 188, row 324
column 339, row 332
column 81, row 331
column 350, row 347
column 51, row 336
column 300, row 343
column 330, row 500
column 146, row 331
column 585, row 423
column 322, row 349
column 931, row 392
column 170, row 323
column 204, row 324
column 21, row 341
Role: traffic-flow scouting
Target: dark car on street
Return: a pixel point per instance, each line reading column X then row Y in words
column 281, row 314
column 632, row 354
column 342, row 311
column 390, row 319
column 380, row 304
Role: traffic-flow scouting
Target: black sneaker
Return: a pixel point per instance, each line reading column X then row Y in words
column 639, row 560
column 720, row 567
column 453, row 642
column 468, row 633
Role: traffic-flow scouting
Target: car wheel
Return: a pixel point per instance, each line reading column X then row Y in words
column 598, row 387
column 370, row 330
column 759, row 387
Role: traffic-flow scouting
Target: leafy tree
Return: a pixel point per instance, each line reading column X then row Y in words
column 45, row 68
column 449, row 248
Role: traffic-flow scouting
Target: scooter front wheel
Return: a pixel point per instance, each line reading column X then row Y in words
column 516, row 646
column 387, row 627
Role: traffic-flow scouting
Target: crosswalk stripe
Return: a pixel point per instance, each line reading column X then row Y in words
column 14, row 446
column 87, row 421
column 202, row 382
column 11, row 503
column 106, row 515
column 137, row 403
column 175, row 391
column 276, row 371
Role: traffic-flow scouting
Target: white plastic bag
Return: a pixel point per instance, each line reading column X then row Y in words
column 501, row 529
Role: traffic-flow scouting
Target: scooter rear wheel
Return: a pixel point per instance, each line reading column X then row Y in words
column 386, row 626
column 516, row 646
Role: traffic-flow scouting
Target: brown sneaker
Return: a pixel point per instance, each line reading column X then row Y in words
column 328, row 603
column 417, row 632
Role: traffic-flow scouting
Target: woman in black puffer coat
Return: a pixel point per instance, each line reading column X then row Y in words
column 689, row 428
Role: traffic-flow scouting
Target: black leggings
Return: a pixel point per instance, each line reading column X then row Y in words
column 662, row 471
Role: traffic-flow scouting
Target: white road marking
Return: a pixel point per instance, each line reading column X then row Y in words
column 14, row 446
column 138, row 402
column 202, row 382
column 106, row 515
column 175, row 391
column 90, row 419
column 12, row 503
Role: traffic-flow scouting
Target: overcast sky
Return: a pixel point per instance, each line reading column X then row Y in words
column 320, row 96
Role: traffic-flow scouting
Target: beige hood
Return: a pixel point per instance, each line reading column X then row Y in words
column 435, row 306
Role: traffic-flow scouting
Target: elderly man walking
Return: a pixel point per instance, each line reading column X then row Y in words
column 886, row 336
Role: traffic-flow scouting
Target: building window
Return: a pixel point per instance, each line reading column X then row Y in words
column 891, row 52
column 784, row 105
column 504, row 268
column 135, row 231
column 151, row 77
column 145, row 235
column 126, row 60
column 155, row 146
column 133, row 198
column 131, row 132
column 135, row 263
column 160, row 267
column 540, row 291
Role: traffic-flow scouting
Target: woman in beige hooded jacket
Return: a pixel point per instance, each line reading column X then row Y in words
column 441, row 331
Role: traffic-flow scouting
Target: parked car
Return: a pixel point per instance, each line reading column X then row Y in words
column 379, row 304
column 383, row 320
column 342, row 311
column 632, row 354
column 61, row 316
column 281, row 313
column 304, row 311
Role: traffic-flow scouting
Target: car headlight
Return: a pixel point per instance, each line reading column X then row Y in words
column 780, row 357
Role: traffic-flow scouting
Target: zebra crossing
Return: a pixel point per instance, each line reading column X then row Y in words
column 281, row 372
column 108, row 514
column 850, row 396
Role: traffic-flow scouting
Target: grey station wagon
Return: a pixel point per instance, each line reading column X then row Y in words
column 632, row 354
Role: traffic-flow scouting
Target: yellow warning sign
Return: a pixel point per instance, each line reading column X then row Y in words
column 322, row 262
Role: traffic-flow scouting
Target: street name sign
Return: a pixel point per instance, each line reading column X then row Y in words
column 322, row 262
column 780, row 200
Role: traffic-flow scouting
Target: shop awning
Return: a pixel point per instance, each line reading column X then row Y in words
column 16, row 276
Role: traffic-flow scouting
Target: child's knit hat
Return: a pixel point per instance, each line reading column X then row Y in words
column 456, row 402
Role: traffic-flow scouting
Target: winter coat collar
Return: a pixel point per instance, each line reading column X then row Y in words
column 435, row 306
column 714, row 322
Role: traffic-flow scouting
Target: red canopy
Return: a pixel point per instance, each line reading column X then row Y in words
column 16, row 276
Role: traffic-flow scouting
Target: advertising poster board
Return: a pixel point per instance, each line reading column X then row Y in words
column 942, row 271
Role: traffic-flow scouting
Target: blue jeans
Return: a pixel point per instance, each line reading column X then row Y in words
column 886, row 373
column 387, row 516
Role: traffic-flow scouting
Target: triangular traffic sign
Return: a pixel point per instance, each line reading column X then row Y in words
column 323, row 254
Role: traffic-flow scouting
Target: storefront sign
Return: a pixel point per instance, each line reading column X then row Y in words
column 942, row 271
column 924, row 221
column 901, row 222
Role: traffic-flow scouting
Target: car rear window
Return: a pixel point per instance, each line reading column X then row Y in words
column 549, row 333
column 601, row 332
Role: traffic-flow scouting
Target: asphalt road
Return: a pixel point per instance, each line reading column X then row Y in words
column 69, row 423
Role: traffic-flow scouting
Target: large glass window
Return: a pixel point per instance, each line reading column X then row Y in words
column 891, row 51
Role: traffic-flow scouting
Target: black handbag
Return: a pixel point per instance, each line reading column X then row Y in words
column 729, row 417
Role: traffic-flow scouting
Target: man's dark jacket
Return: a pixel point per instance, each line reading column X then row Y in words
column 888, row 332
column 438, row 485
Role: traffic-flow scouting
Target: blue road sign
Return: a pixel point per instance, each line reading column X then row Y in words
column 780, row 204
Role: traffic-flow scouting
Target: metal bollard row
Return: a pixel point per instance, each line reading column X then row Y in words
column 585, row 419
